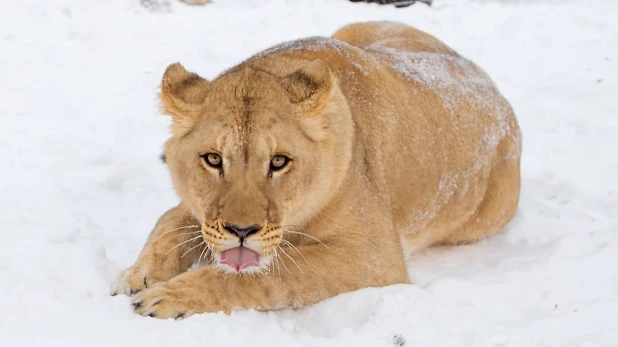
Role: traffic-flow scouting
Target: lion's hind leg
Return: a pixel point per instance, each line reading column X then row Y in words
column 500, row 200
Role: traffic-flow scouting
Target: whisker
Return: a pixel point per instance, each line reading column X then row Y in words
column 182, row 243
column 307, row 235
column 192, row 248
column 289, row 244
column 273, row 264
column 186, row 234
column 292, row 259
column 278, row 265
column 309, row 264
column 282, row 262
column 295, row 248
column 169, row 231
column 201, row 254
column 209, row 251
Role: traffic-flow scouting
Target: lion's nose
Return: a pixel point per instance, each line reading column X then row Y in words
column 242, row 232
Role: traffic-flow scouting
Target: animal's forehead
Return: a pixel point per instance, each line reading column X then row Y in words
column 247, row 84
column 235, row 131
column 246, row 105
column 239, row 119
column 241, row 106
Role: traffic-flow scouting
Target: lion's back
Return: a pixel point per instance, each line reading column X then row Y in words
column 444, row 129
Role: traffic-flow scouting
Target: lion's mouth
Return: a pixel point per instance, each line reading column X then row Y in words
column 240, row 258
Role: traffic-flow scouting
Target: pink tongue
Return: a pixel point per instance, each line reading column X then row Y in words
column 240, row 258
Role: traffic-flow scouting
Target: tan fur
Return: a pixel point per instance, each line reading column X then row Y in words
column 397, row 144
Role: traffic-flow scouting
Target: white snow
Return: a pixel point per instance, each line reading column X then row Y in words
column 81, row 184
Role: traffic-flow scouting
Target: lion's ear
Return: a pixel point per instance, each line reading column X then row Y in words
column 311, row 85
column 316, row 93
column 182, row 94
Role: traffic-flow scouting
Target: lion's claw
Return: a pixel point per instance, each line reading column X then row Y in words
column 137, row 278
column 161, row 302
column 128, row 282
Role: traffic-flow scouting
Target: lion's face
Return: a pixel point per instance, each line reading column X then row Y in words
column 254, row 162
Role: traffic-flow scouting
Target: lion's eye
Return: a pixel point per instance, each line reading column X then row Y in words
column 213, row 160
column 278, row 162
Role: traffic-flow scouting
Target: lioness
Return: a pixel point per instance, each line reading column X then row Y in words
column 313, row 168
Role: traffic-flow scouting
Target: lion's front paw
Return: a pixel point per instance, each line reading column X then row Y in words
column 139, row 277
column 162, row 302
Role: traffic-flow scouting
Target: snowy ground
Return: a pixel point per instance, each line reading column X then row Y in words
column 81, row 184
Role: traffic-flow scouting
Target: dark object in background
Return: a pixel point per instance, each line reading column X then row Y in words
column 397, row 3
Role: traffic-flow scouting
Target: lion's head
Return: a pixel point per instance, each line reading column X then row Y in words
column 255, row 155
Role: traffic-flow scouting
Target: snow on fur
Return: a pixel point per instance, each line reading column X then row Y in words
column 82, row 185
